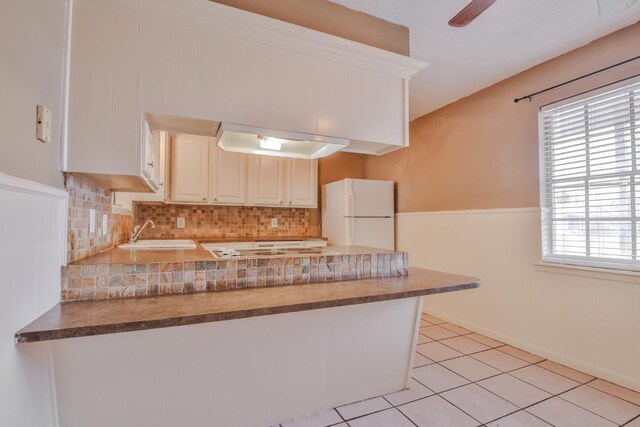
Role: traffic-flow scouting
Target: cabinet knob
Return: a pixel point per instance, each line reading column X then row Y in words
column 150, row 164
column 281, row 202
column 215, row 199
column 204, row 198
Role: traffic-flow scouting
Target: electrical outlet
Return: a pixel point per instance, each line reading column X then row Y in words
column 274, row 222
column 92, row 220
column 180, row 222
column 105, row 224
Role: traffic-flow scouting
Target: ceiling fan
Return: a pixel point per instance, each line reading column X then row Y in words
column 470, row 12
column 476, row 7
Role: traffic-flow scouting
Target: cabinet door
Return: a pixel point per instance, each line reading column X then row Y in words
column 185, row 72
column 247, row 64
column 268, row 180
column 189, row 169
column 228, row 177
column 383, row 109
column 302, row 183
column 339, row 100
column 398, row 115
column 375, row 106
column 211, row 76
column 292, row 92
column 156, row 66
column 125, row 122
column 90, row 89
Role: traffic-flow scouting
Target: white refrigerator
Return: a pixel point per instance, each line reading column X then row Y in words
column 359, row 212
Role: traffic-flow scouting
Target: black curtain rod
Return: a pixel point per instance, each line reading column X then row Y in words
column 530, row 96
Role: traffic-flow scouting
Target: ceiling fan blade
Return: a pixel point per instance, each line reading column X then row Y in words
column 470, row 12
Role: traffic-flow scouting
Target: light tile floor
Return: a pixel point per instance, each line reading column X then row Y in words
column 464, row 379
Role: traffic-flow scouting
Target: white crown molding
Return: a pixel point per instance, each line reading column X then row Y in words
column 239, row 24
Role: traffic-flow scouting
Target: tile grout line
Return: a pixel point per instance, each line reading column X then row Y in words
column 559, row 396
column 501, row 372
column 529, row 364
column 606, row 392
column 632, row 419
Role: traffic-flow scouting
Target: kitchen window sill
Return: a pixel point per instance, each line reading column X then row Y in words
column 610, row 274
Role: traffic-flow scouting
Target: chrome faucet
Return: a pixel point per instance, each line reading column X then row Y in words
column 138, row 230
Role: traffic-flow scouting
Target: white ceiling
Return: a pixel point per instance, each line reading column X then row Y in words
column 510, row 37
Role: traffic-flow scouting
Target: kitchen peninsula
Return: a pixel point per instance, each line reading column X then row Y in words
column 288, row 346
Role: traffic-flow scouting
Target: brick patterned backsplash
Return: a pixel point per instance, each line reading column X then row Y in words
column 85, row 194
column 220, row 221
column 110, row 281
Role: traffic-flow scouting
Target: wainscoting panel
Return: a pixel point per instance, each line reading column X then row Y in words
column 32, row 250
column 585, row 319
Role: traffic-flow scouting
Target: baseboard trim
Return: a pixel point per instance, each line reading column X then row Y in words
column 579, row 365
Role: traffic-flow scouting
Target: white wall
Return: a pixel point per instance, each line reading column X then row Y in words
column 33, row 230
column 586, row 320
column 31, row 72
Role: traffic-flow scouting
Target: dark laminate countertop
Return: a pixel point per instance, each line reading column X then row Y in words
column 78, row 319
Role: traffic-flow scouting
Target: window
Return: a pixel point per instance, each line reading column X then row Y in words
column 590, row 179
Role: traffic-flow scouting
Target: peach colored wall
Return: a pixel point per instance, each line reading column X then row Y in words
column 482, row 151
column 331, row 18
column 334, row 168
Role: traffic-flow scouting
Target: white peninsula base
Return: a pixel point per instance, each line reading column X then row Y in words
column 247, row 372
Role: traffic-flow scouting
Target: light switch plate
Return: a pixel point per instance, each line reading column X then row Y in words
column 92, row 220
column 43, row 123
column 180, row 222
column 274, row 222
column 105, row 224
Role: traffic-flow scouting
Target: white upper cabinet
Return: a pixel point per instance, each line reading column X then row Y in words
column 90, row 92
column 156, row 66
column 189, row 169
column 201, row 60
column 398, row 112
column 211, row 77
column 185, row 76
column 339, row 100
column 302, row 183
column 382, row 108
column 228, row 177
column 247, row 82
column 269, row 180
column 292, row 92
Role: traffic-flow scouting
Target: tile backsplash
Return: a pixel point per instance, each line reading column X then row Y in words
column 84, row 195
column 108, row 281
column 220, row 221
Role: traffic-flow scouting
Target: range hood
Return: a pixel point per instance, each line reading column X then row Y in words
column 271, row 142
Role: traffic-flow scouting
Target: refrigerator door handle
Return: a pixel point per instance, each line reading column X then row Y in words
column 351, row 227
column 350, row 196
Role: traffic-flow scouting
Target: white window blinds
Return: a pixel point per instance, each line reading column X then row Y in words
column 590, row 179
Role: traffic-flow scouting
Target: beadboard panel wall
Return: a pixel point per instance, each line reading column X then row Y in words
column 32, row 250
column 244, row 372
column 587, row 320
